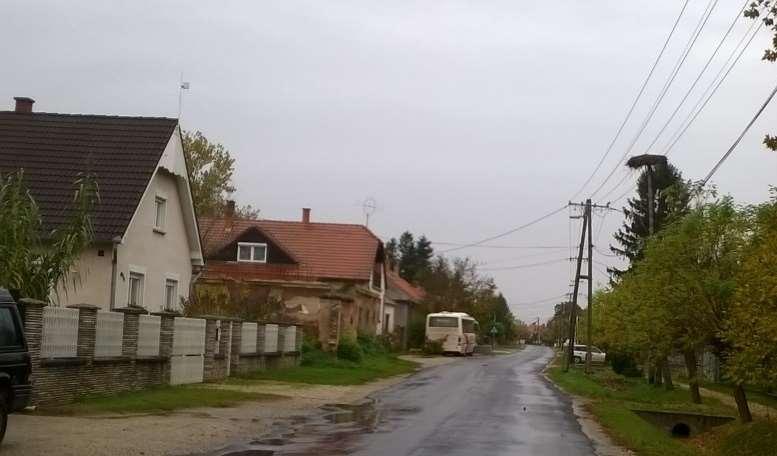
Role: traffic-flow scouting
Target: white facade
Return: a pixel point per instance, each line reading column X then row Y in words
column 156, row 254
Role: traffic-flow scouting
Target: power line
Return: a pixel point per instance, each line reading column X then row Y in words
column 507, row 233
column 541, row 301
column 491, row 246
column 522, row 257
column 634, row 103
column 689, row 46
column 523, row 266
column 699, row 76
column 717, row 85
column 733, row 146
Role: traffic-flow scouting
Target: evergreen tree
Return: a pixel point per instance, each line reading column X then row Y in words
column 670, row 198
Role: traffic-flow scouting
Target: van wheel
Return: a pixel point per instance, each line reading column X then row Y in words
column 3, row 415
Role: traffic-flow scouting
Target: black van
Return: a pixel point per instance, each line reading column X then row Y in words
column 15, row 367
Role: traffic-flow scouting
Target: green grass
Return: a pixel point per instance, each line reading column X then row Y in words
column 157, row 400
column 324, row 369
column 752, row 439
column 613, row 399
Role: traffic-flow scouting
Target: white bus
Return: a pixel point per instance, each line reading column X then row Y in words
column 456, row 331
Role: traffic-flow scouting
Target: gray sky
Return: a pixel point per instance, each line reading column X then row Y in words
column 463, row 119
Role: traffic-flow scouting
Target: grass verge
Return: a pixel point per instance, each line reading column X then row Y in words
column 325, row 369
column 157, row 400
column 613, row 397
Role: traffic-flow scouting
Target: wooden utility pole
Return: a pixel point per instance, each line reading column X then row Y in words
column 573, row 310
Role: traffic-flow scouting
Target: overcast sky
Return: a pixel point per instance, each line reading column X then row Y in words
column 462, row 119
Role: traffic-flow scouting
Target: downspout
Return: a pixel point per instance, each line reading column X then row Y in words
column 382, row 296
column 115, row 258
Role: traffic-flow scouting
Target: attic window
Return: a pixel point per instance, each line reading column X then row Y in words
column 251, row 252
column 160, row 204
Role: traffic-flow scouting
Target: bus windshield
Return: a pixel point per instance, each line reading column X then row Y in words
column 443, row 322
column 468, row 326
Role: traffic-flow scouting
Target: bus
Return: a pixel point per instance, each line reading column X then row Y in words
column 456, row 331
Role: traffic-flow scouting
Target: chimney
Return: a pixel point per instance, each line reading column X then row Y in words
column 305, row 215
column 229, row 215
column 24, row 104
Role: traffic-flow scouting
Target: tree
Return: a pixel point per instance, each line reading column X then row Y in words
column 413, row 256
column 670, row 199
column 210, row 176
column 752, row 325
column 37, row 262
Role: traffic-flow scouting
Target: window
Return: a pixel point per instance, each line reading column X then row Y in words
column 159, row 216
column 171, row 294
column 468, row 326
column 10, row 336
column 252, row 253
column 443, row 322
column 135, row 295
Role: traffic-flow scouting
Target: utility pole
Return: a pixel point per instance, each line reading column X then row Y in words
column 573, row 310
column 590, row 288
column 648, row 161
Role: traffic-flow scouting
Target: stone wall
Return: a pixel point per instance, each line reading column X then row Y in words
column 62, row 380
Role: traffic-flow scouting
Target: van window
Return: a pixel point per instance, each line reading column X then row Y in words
column 468, row 326
column 9, row 333
column 443, row 322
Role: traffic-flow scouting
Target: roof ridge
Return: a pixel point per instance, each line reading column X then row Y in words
column 102, row 116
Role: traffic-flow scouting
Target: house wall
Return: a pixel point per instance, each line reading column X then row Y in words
column 156, row 255
column 90, row 279
column 390, row 314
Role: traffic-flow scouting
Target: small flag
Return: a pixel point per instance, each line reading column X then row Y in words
column 185, row 85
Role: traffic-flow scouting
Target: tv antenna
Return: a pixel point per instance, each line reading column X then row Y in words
column 369, row 206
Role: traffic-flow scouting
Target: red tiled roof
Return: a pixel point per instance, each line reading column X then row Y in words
column 323, row 250
column 412, row 292
column 219, row 270
column 122, row 152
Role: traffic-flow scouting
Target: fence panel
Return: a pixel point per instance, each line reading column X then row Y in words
column 189, row 336
column 149, row 327
column 109, row 334
column 187, row 369
column 270, row 338
column 289, row 339
column 248, row 338
column 60, row 333
column 218, row 337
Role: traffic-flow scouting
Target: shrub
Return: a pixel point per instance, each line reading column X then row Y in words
column 624, row 364
column 416, row 333
column 350, row 350
column 372, row 345
column 433, row 347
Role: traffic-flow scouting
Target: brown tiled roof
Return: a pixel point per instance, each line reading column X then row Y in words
column 400, row 289
column 323, row 250
column 122, row 152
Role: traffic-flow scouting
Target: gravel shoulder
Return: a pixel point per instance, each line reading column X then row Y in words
column 185, row 431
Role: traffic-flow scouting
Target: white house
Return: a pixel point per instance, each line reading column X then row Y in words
column 147, row 244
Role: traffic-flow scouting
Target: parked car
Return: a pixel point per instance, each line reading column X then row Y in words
column 579, row 353
column 15, row 367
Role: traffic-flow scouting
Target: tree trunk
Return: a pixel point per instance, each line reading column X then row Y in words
column 651, row 373
column 668, row 384
column 742, row 407
column 659, row 374
column 693, row 379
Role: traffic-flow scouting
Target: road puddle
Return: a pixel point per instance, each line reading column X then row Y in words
column 333, row 429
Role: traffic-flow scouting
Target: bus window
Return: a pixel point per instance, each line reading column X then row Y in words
column 443, row 322
column 468, row 326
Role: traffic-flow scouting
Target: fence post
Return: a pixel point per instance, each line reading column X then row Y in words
column 129, row 342
column 298, row 339
column 260, row 338
column 32, row 311
column 87, row 331
column 166, row 329
column 237, row 336
column 211, row 339
column 225, row 345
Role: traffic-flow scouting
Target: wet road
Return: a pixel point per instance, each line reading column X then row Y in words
column 498, row 405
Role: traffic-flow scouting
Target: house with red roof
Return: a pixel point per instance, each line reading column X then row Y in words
column 401, row 300
column 146, row 245
column 330, row 277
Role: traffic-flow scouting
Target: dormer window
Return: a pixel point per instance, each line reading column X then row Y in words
column 251, row 252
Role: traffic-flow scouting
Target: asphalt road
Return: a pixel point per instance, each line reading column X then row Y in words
column 486, row 405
